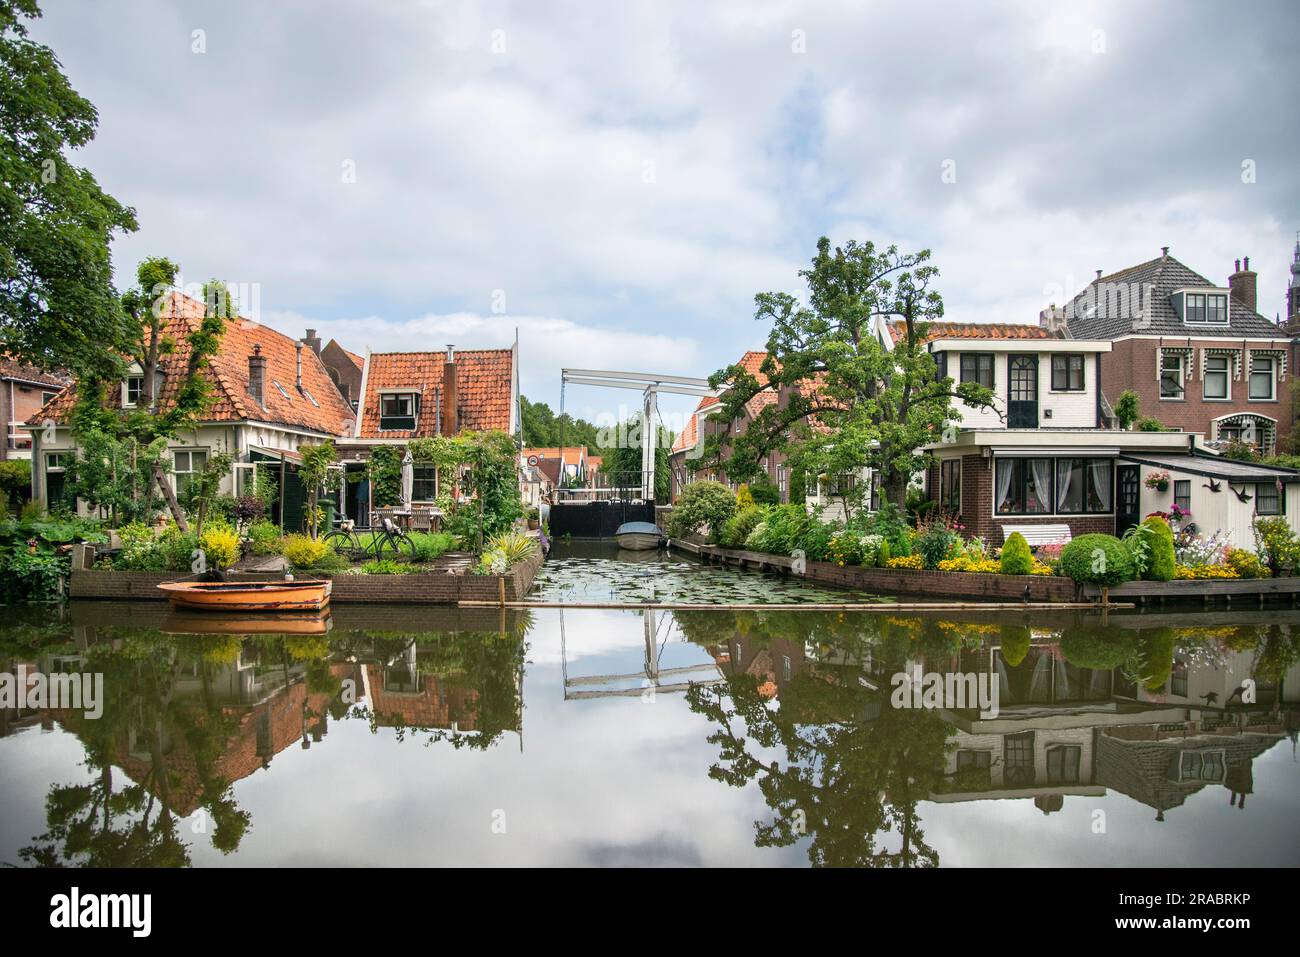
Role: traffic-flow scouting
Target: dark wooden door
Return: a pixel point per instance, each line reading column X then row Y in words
column 1128, row 497
column 1022, row 392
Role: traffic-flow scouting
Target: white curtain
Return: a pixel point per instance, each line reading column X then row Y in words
column 1004, row 482
column 1043, row 482
column 1063, row 480
column 1100, row 469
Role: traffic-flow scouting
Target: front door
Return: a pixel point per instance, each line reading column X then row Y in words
column 1022, row 392
column 1128, row 497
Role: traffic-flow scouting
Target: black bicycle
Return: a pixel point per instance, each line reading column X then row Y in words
column 386, row 541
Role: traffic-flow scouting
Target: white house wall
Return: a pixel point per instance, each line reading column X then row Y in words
column 1216, row 511
column 1077, row 410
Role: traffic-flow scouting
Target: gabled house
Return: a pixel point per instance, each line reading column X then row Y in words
column 24, row 389
column 269, row 393
column 1197, row 353
column 410, row 395
column 701, row 424
column 1047, row 461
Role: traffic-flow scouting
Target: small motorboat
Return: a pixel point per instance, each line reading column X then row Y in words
column 639, row 536
column 306, row 595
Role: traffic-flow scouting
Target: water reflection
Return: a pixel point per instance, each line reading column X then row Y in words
column 789, row 710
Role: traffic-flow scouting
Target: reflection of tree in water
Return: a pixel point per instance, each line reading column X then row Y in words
column 853, row 771
column 100, row 825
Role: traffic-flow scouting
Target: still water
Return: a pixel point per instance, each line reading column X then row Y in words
column 417, row 736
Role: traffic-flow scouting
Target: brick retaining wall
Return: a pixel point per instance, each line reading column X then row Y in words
column 907, row 581
column 426, row 588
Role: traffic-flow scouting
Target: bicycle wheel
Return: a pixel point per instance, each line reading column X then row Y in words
column 403, row 548
column 343, row 543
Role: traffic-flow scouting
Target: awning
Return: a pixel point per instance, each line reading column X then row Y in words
column 258, row 453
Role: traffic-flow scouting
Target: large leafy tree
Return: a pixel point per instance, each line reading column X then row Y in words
column 96, row 420
column 57, row 303
column 620, row 451
column 544, row 429
column 846, row 399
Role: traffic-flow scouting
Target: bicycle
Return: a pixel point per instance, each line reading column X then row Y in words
column 388, row 538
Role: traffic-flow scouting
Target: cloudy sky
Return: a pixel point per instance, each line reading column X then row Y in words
column 617, row 181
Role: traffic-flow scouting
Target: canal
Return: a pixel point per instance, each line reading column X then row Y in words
column 417, row 736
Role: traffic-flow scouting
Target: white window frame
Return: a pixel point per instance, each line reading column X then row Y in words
column 127, row 402
column 1181, row 359
column 1272, row 379
column 1227, row 378
column 190, row 470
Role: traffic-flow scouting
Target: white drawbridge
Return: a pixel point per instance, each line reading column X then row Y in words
column 649, row 384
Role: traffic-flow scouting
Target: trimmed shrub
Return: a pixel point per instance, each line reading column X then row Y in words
column 220, row 546
column 1016, row 557
column 702, row 505
column 1160, row 558
column 1097, row 560
column 264, row 538
column 302, row 551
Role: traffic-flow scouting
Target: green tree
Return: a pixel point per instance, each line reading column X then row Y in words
column 58, row 306
column 620, row 451
column 316, row 473
column 96, row 419
column 544, row 429
column 874, row 405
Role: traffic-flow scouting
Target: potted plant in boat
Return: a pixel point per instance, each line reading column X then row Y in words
column 1159, row 481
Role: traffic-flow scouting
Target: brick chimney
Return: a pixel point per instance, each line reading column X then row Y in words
column 257, row 374
column 312, row 340
column 450, row 420
column 1242, row 284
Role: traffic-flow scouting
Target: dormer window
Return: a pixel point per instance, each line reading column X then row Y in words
column 1202, row 308
column 397, row 411
column 133, row 390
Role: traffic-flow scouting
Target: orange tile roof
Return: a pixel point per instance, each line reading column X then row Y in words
column 13, row 369
column 578, row 452
column 484, row 390
column 690, row 432
column 975, row 330
column 227, row 375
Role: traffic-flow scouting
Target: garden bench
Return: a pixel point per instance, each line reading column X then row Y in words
column 1037, row 535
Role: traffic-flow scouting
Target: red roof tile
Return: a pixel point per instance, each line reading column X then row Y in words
column 13, row 369
column 484, row 390
column 318, row 408
column 975, row 330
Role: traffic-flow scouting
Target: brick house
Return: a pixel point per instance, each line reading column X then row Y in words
column 1198, row 355
column 344, row 367
column 410, row 395
column 701, row 424
column 270, row 394
column 24, row 389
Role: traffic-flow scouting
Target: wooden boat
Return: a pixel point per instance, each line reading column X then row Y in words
column 638, row 536
column 184, row 621
column 306, row 595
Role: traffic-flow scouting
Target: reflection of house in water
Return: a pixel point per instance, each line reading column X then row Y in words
column 255, row 711
column 417, row 685
column 1067, row 730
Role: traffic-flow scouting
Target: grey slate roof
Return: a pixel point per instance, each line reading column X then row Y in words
column 1136, row 301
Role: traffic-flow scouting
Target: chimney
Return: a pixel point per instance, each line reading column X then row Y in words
column 256, row 374
column 298, row 373
column 312, row 340
column 450, row 425
column 1164, row 252
column 1242, row 284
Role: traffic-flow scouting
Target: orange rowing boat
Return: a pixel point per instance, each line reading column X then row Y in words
column 306, row 595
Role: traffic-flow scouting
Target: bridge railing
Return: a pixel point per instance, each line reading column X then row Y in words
column 607, row 487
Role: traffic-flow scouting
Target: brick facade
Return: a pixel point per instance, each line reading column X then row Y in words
column 976, row 512
column 1132, row 365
